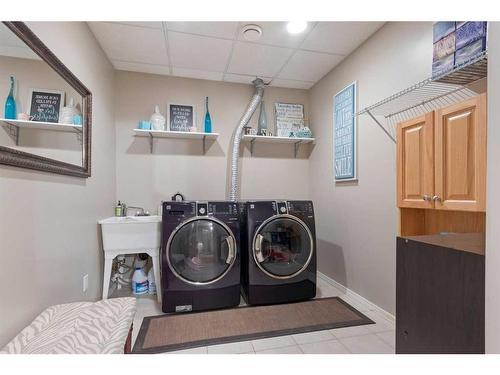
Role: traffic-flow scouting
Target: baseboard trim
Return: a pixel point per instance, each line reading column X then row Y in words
column 357, row 297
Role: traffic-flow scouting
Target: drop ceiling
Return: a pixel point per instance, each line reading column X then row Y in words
column 218, row 50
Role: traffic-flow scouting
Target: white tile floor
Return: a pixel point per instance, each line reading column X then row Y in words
column 374, row 338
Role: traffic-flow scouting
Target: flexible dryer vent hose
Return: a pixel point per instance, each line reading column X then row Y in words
column 252, row 106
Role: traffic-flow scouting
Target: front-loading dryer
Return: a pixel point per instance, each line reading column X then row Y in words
column 200, row 255
column 278, row 252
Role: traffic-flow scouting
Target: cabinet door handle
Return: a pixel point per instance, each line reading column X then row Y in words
column 436, row 198
column 426, row 197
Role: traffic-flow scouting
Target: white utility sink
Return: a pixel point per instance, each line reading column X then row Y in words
column 131, row 233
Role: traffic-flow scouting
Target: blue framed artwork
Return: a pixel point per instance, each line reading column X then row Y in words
column 344, row 129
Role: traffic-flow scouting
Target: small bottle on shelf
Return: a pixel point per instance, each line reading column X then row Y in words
column 208, row 120
column 262, row 126
column 10, row 104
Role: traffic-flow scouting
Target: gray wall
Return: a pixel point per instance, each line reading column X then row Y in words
column 48, row 227
column 145, row 179
column 356, row 222
column 493, row 198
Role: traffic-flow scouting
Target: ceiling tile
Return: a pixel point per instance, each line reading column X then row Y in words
column 144, row 68
column 292, row 84
column 198, row 52
column 309, row 66
column 215, row 29
column 130, row 43
column 151, row 25
column 256, row 59
column 199, row 74
column 339, row 37
column 276, row 34
column 242, row 78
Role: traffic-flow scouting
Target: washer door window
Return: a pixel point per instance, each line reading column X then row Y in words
column 283, row 247
column 201, row 251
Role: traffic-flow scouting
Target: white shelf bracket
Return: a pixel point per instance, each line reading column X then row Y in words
column 13, row 132
column 381, row 126
column 296, row 146
column 150, row 142
column 79, row 136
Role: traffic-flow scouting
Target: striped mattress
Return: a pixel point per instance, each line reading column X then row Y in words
column 80, row 328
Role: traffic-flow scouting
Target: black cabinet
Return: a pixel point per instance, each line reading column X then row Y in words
column 440, row 294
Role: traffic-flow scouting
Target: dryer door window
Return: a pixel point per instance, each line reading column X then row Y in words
column 283, row 247
column 201, row 251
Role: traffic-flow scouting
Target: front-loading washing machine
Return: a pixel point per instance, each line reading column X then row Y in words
column 200, row 255
column 278, row 252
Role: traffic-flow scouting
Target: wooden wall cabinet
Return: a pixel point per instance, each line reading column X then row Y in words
column 442, row 158
column 415, row 143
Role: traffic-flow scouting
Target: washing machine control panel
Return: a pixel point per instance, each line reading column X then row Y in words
column 201, row 209
column 282, row 208
column 304, row 207
column 216, row 208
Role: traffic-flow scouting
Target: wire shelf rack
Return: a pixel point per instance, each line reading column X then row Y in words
column 428, row 95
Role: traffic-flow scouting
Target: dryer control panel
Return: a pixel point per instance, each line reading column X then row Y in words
column 201, row 208
column 227, row 208
column 282, row 208
column 305, row 207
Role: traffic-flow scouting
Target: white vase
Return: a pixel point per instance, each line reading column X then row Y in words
column 157, row 120
column 68, row 113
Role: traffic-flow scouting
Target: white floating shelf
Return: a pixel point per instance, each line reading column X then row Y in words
column 272, row 139
column 174, row 134
column 13, row 127
column 54, row 126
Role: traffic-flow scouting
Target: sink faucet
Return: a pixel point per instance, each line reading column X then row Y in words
column 140, row 211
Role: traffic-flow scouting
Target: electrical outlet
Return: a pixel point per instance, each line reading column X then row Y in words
column 85, row 282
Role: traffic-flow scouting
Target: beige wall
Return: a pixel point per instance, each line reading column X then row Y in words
column 356, row 222
column 48, row 230
column 144, row 179
column 493, row 198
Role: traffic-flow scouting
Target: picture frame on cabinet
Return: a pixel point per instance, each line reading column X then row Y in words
column 345, row 142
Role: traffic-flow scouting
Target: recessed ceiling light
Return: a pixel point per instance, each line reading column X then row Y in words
column 295, row 27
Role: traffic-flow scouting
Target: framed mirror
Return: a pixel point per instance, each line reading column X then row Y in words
column 46, row 112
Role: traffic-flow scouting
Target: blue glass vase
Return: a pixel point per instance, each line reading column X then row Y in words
column 10, row 104
column 262, row 123
column 208, row 120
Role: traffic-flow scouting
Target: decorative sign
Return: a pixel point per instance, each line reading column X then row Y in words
column 344, row 108
column 45, row 105
column 286, row 126
column 289, row 119
column 181, row 117
column 287, row 110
